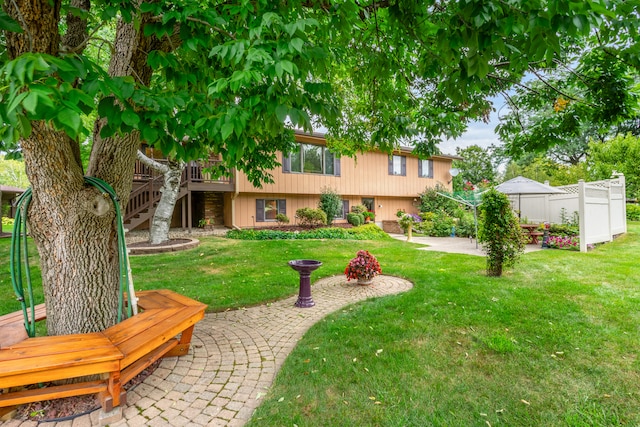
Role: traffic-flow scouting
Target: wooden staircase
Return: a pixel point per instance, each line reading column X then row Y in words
column 145, row 194
column 143, row 201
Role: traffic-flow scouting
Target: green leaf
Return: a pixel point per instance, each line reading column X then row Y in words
column 7, row 23
column 30, row 102
column 68, row 120
column 297, row 44
column 106, row 107
column 150, row 134
column 130, row 118
column 288, row 66
column 24, row 126
column 227, row 129
column 16, row 101
column 282, row 111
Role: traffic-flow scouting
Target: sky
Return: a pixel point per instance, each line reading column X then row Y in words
column 478, row 133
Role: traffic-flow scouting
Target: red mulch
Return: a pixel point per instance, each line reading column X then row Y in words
column 70, row 407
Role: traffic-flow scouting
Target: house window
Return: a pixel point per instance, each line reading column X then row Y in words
column 425, row 168
column 267, row 209
column 309, row 158
column 398, row 165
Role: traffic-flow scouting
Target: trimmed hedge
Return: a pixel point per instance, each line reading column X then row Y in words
column 355, row 219
column 365, row 232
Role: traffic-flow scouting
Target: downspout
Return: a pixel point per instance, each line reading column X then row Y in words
column 236, row 191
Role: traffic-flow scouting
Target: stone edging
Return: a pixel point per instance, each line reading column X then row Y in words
column 157, row 249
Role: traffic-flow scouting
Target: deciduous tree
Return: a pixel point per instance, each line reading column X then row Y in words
column 234, row 78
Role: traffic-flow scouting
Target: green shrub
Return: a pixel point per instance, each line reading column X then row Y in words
column 282, row 219
column 359, row 209
column 430, row 201
column 365, row 232
column 442, row 224
column 368, row 232
column 466, row 224
column 500, row 234
column 564, row 230
column 330, row 203
column 311, row 217
column 355, row 219
column 7, row 223
column 633, row 212
column 426, row 225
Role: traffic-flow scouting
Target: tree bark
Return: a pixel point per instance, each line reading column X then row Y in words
column 161, row 222
column 72, row 224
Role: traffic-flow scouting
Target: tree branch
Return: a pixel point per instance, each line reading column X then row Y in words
column 153, row 164
column 75, row 39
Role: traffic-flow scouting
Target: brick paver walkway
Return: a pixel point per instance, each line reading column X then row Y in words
column 233, row 361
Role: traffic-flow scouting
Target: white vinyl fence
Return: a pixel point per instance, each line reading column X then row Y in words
column 599, row 207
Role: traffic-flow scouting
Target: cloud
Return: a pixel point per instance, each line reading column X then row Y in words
column 478, row 133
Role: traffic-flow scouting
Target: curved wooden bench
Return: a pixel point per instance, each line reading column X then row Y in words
column 117, row 354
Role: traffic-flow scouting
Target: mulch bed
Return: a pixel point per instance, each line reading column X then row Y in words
column 71, row 407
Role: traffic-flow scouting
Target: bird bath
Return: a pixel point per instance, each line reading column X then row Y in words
column 304, row 267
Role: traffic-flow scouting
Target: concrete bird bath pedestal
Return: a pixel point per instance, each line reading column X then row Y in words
column 304, row 267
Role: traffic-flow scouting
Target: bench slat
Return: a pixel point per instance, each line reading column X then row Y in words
column 53, row 392
column 137, row 325
column 151, row 300
column 181, row 299
column 42, row 361
column 18, row 316
column 136, row 346
column 53, row 344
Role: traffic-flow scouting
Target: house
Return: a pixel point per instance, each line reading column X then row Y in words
column 383, row 183
column 8, row 198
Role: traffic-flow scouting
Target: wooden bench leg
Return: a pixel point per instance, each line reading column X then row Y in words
column 183, row 345
column 115, row 395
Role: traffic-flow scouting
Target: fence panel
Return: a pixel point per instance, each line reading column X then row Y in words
column 599, row 205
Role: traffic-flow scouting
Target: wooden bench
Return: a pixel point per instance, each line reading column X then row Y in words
column 12, row 325
column 163, row 328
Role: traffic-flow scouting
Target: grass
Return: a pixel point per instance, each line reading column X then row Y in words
column 554, row 342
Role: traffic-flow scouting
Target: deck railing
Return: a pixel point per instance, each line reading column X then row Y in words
column 147, row 183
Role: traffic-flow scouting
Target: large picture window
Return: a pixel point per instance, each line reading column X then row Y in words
column 309, row 158
column 267, row 209
column 425, row 168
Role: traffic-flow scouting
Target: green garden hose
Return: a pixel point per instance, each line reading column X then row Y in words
column 19, row 255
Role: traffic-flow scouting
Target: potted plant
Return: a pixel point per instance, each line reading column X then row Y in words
column 369, row 216
column 364, row 267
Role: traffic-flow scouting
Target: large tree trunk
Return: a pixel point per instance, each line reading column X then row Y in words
column 161, row 222
column 71, row 223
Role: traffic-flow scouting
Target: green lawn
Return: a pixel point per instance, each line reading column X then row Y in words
column 554, row 342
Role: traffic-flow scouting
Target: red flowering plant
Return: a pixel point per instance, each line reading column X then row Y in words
column 363, row 266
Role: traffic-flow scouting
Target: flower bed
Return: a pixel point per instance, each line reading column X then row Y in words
column 571, row 243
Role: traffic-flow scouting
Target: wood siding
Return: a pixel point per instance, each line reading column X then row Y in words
column 368, row 175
